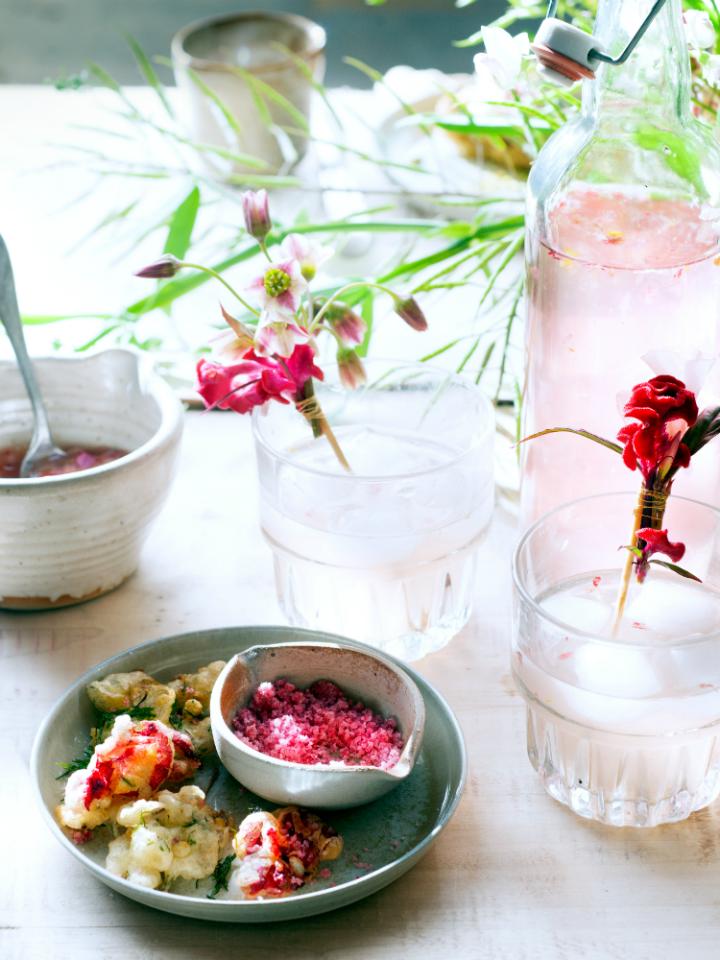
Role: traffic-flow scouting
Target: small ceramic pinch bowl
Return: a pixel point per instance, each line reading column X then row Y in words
column 69, row 538
column 365, row 675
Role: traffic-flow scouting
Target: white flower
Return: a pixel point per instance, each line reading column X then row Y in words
column 699, row 30
column 308, row 254
column 276, row 337
column 503, row 56
column 279, row 289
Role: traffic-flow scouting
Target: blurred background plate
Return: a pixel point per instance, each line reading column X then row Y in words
column 444, row 175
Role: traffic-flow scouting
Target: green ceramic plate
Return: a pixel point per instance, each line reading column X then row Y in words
column 382, row 840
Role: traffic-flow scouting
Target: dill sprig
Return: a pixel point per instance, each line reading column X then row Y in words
column 104, row 719
column 221, row 876
column 79, row 763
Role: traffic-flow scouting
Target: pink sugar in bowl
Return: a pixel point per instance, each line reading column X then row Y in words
column 331, row 724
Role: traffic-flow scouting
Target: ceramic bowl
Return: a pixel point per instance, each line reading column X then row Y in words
column 362, row 673
column 70, row 538
column 224, row 56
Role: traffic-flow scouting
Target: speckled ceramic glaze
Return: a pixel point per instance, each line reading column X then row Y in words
column 382, row 840
column 223, row 54
column 70, row 538
column 369, row 677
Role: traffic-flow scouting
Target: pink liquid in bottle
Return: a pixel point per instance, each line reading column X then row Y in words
column 623, row 277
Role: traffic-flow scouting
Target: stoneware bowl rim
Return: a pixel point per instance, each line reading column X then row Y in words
column 413, row 741
column 314, row 32
column 151, row 383
column 271, row 909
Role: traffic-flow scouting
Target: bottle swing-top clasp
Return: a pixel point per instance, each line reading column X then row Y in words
column 568, row 54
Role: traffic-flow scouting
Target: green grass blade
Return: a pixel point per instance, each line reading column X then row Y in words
column 182, row 223
column 148, row 71
column 41, row 319
column 307, row 72
column 226, row 112
column 367, row 312
column 264, row 92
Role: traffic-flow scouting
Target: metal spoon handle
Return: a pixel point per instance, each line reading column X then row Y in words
column 10, row 317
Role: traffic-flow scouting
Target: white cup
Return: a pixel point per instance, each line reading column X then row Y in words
column 238, row 57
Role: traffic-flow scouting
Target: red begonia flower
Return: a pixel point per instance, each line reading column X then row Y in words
column 662, row 398
column 255, row 380
column 665, row 409
column 656, row 541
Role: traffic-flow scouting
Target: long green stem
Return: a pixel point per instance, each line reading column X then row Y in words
column 310, row 408
column 317, row 319
column 213, row 273
column 649, row 511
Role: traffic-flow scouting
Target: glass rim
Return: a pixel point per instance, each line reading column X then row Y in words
column 488, row 427
column 538, row 610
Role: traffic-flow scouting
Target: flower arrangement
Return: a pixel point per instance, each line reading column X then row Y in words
column 270, row 353
column 668, row 431
column 504, row 106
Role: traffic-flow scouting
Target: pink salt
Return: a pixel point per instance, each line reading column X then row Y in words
column 319, row 725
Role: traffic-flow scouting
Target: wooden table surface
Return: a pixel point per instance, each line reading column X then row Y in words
column 514, row 876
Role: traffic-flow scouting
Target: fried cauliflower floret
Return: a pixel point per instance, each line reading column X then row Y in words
column 192, row 704
column 119, row 692
column 134, row 761
column 174, row 835
column 192, row 690
column 279, row 852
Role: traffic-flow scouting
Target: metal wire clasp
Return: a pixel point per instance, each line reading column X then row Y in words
column 568, row 54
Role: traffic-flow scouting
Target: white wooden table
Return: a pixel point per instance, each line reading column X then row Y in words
column 514, row 877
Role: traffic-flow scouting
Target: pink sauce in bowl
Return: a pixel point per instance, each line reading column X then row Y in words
column 76, row 458
column 321, row 724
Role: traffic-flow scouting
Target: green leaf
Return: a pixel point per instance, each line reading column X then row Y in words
column 676, row 569
column 40, row 319
column 221, row 876
column 181, row 225
column 635, row 551
column 367, row 312
column 77, row 763
column 226, row 112
column 615, row 447
column 148, row 71
column 678, row 154
column 97, row 338
column 264, row 90
column 307, row 72
column 466, row 126
column 705, row 428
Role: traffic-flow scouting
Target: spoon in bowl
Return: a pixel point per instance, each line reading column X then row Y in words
column 41, row 446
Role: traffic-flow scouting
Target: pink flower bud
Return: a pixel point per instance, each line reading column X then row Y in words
column 409, row 310
column 351, row 369
column 348, row 325
column 256, row 212
column 166, row 266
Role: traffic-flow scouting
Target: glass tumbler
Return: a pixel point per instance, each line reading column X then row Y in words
column 623, row 725
column 386, row 553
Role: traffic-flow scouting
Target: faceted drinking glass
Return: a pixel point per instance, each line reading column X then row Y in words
column 622, row 727
column 387, row 553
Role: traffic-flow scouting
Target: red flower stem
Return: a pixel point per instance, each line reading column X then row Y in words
column 648, row 512
column 310, row 408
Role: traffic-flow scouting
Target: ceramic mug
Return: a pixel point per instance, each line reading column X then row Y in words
column 229, row 65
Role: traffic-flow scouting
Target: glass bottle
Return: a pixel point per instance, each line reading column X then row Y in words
column 623, row 262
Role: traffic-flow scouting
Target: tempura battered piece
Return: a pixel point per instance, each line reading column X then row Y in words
column 192, row 704
column 122, row 692
column 173, row 836
column 279, row 852
column 134, row 761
